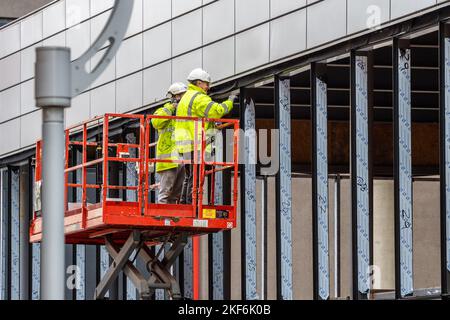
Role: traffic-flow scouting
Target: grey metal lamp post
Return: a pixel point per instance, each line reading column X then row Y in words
column 57, row 82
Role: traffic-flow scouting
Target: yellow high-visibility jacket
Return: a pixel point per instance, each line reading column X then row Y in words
column 196, row 103
column 166, row 149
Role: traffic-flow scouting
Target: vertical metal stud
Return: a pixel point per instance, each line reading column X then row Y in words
column 131, row 179
column 242, row 105
column 2, row 270
column 35, row 256
column 24, row 226
column 91, row 271
column 15, row 230
column 321, row 272
column 217, row 264
column 159, row 293
column 227, row 194
column 227, row 265
column 264, row 238
column 8, row 230
column 80, row 252
column 113, row 177
column 219, row 243
column 102, row 253
column 361, row 173
column 284, row 190
column 188, row 271
column 248, row 201
column 104, row 263
column 188, row 260
column 186, row 257
column 90, row 250
column 70, row 258
column 4, row 233
column 70, row 249
column 217, row 267
column 337, row 236
column 402, row 169
column 35, row 271
column 444, row 69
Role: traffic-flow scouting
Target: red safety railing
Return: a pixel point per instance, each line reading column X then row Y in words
column 105, row 145
column 199, row 162
column 86, row 221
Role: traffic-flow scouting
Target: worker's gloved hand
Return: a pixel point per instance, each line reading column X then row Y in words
column 232, row 97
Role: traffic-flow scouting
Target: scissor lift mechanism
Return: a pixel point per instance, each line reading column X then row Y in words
column 128, row 229
column 159, row 270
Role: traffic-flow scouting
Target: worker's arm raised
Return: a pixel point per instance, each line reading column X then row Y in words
column 206, row 107
column 167, row 110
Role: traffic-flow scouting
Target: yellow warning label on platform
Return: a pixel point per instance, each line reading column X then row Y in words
column 209, row 213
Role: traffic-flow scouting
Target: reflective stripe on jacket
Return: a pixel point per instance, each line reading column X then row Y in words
column 165, row 149
column 196, row 103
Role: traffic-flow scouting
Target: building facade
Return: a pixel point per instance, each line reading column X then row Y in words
column 11, row 9
column 336, row 63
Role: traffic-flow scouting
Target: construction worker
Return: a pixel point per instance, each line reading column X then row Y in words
column 196, row 103
column 171, row 174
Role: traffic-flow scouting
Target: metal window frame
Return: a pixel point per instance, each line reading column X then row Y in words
column 361, row 168
column 402, row 168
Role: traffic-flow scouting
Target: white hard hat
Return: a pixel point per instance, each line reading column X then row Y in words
column 199, row 74
column 176, row 88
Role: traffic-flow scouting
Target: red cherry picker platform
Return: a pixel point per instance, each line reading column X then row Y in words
column 126, row 227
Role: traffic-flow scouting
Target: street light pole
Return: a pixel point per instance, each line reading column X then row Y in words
column 53, row 94
column 57, row 81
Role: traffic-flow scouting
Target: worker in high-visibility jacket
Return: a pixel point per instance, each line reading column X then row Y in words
column 171, row 174
column 196, row 103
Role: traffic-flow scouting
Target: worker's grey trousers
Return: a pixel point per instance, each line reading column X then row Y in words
column 188, row 184
column 171, row 182
column 186, row 194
